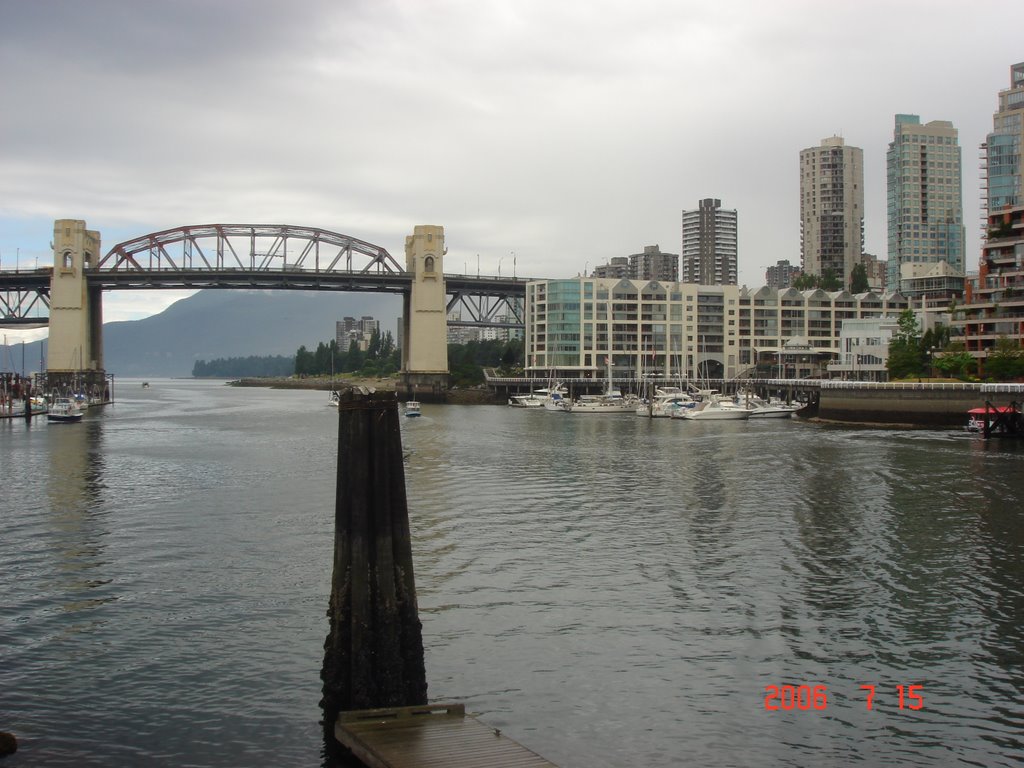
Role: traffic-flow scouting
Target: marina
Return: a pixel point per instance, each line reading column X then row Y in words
column 176, row 546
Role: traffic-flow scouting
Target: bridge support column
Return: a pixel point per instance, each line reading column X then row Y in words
column 424, row 318
column 74, row 357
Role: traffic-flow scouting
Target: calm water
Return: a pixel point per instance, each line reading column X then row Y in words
column 609, row 591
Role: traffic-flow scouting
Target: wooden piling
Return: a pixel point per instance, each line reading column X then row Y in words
column 373, row 656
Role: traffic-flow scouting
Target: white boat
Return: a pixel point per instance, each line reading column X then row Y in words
column 607, row 403
column 334, row 398
column 64, row 409
column 714, row 408
column 666, row 402
column 552, row 397
column 530, row 400
column 765, row 409
column 412, row 408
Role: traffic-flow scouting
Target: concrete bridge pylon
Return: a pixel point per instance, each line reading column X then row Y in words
column 75, row 348
column 424, row 373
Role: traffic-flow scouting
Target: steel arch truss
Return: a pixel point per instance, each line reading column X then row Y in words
column 501, row 310
column 248, row 248
column 18, row 304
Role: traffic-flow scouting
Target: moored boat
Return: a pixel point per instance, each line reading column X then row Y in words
column 64, row 409
column 714, row 408
column 530, row 400
column 666, row 402
column 608, row 403
column 976, row 417
column 766, row 409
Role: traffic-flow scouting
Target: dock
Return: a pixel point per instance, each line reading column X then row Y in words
column 429, row 736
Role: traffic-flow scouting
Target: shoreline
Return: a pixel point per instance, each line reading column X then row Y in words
column 326, row 384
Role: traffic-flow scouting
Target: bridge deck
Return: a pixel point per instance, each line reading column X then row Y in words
column 436, row 735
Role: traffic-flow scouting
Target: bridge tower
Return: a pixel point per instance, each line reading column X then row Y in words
column 424, row 317
column 74, row 357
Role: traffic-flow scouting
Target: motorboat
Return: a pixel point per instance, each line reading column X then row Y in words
column 64, row 409
column 530, row 400
column 666, row 402
column 766, row 409
column 713, row 408
column 412, row 408
column 977, row 417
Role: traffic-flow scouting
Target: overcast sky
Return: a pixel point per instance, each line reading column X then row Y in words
column 545, row 136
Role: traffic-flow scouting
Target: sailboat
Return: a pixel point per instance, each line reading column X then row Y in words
column 609, row 402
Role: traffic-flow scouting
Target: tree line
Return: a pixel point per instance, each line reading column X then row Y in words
column 237, row 367
column 381, row 358
column 916, row 354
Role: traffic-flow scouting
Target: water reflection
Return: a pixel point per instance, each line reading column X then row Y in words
column 75, row 485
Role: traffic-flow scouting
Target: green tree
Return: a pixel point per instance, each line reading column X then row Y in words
column 954, row 362
column 830, row 281
column 858, row 279
column 906, row 357
column 354, row 360
column 304, row 362
column 373, row 348
column 1005, row 362
column 805, row 282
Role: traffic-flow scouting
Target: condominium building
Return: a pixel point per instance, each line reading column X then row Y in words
column 575, row 327
column 617, row 267
column 710, row 245
column 875, row 269
column 781, row 275
column 1002, row 168
column 652, row 264
column 924, row 191
column 994, row 308
column 831, row 208
column 351, row 332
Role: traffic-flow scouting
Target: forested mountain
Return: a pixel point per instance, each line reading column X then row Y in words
column 226, row 324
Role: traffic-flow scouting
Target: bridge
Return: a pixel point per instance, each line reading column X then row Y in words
column 254, row 256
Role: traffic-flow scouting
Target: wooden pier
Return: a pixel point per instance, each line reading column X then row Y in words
column 429, row 736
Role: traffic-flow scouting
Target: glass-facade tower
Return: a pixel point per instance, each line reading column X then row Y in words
column 925, row 198
column 1002, row 148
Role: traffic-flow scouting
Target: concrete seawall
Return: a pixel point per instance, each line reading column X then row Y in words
column 920, row 405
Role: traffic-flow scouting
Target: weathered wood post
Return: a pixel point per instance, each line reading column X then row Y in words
column 373, row 656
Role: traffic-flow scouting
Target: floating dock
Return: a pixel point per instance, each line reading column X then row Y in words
column 429, row 736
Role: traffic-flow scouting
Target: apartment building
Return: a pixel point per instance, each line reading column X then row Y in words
column 924, row 196
column 722, row 331
column 831, row 208
column 994, row 307
column 710, row 244
column 1002, row 166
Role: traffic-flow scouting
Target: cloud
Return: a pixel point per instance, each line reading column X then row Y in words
column 567, row 133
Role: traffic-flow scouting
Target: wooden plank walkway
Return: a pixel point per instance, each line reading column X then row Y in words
column 430, row 736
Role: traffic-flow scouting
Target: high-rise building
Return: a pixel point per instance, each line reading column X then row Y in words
column 781, row 275
column 925, row 206
column 831, row 208
column 618, row 267
column 710, row 238
column 652, row 264
column 1003, row 177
